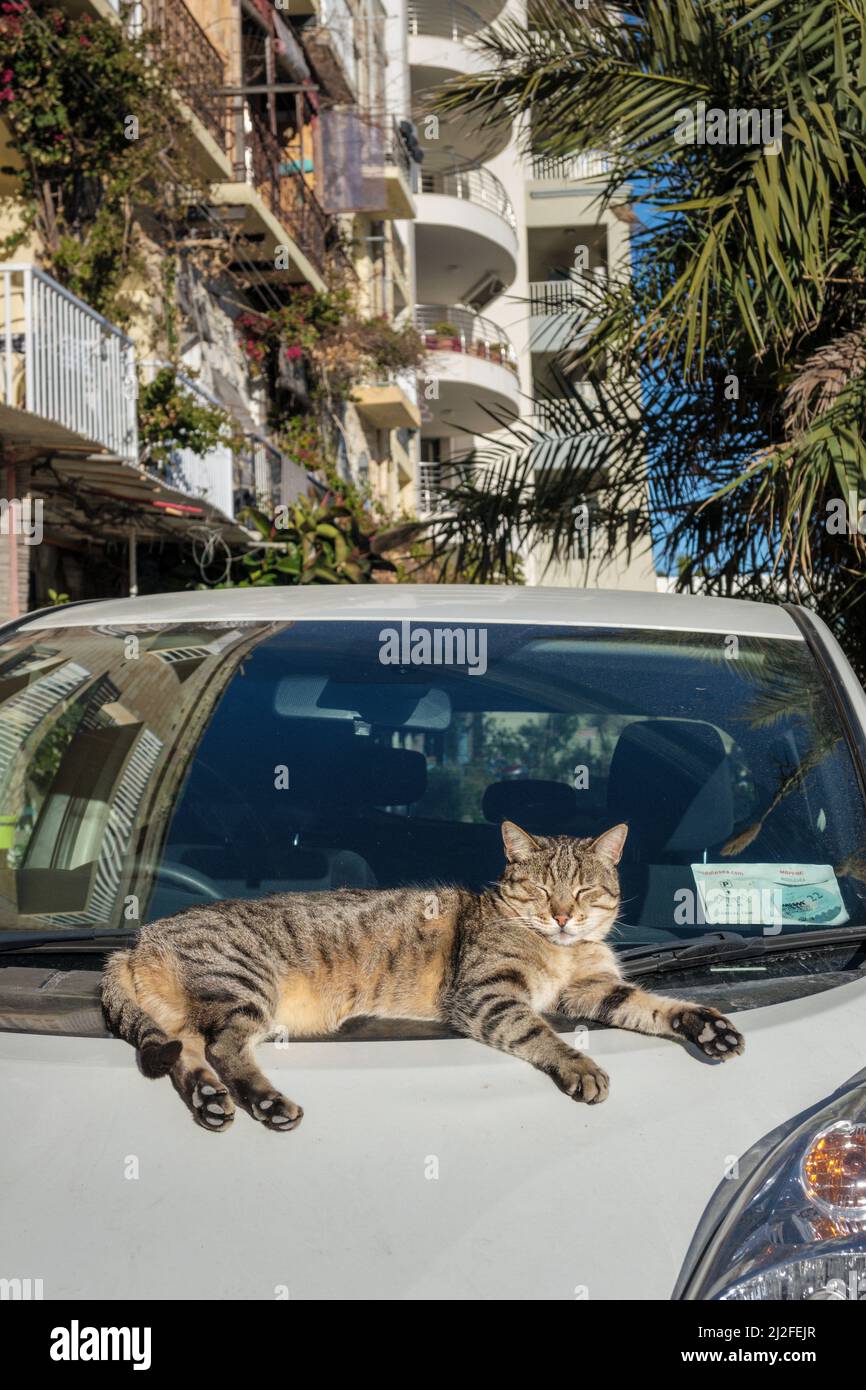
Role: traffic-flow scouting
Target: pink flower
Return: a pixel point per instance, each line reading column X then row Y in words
column 292, row 353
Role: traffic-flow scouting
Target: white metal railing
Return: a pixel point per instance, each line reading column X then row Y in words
column 443, row 19
column 574, row 292
column 61, row 360
column 477, row 186
column 430, row 484
column 455, row 329
column 572, row 168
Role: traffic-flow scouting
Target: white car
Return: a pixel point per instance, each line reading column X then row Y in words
column 159, row 752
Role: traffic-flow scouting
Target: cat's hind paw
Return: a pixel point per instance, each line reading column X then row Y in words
column 211, row 1106
column 275, row 1111
column 709, row 1030
column 582, row 1079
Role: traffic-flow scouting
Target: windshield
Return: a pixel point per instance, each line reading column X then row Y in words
column 146, row 769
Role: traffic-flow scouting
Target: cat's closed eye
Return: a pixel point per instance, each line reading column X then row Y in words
column 595, row 897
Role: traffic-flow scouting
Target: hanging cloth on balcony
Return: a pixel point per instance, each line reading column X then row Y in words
column 353, row 161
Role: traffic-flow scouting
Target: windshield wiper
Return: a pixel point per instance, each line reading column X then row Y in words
column 13, row 943
column 722, row 945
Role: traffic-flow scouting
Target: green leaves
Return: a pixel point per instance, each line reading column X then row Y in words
column 171, row 418
column 75, row 84
column 324, row 542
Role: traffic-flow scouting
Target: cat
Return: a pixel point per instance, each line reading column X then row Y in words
column 198, row 990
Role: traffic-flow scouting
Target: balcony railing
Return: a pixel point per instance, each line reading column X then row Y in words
column 571, row 168
column 197, row 70
column 62, row 361
column 454, row 329
column 286, row 193
column 561, row 296
column 561, row 416
column 476, row 186
column 430, row 489
column 443, row 19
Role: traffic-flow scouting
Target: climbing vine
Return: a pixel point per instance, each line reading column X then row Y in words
column 316, row 350
column 90, row 121
column 171, row 418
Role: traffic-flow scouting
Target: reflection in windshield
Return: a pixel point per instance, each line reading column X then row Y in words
column 92, row 752
column 767, row 706
column 143, row 770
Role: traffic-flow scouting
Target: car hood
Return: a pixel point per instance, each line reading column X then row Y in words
column 422, row 1170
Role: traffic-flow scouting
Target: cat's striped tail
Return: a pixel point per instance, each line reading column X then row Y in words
column 125, row 1018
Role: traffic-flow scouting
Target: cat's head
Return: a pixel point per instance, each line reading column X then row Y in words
column 565, row 889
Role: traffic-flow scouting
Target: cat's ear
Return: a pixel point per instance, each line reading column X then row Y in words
column 610, row 844
column 518, row 844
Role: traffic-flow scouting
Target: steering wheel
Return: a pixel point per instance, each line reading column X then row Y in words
column 185, row 877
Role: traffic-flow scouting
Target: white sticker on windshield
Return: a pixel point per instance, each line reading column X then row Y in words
column 769, row 895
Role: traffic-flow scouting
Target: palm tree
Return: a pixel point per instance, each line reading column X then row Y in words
column 730, row 366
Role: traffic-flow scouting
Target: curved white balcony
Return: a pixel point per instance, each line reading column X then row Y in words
column 466, row 253
column 438, row 30
column 473, row 369
column 438, row 49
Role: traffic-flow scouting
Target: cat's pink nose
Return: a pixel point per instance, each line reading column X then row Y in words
column 560, row 919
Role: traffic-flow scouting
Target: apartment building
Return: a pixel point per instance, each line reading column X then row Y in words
column 289, row 115
column 499, row 235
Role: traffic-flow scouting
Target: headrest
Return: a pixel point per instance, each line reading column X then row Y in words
column 383, row 776
column 531, row 803
column 331, row 765
column 670, row 780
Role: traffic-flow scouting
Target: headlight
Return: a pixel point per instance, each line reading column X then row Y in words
column 833, row 1173
column 794, row 1227
column 836, row 1274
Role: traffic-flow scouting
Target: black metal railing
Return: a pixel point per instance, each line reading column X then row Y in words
column 196, row 69
column 288, row 195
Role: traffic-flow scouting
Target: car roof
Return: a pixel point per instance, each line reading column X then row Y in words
column 440, row 603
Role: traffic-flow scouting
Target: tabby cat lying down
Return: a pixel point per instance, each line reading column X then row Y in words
column 199, row 990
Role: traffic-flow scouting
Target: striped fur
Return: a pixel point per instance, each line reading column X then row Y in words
column 199, row 990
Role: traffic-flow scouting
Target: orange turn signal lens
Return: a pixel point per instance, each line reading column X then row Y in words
column 833, row 1172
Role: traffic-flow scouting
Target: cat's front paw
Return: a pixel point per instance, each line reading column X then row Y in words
column 276, row 1111
column 709, row 1030
column 582, row 1079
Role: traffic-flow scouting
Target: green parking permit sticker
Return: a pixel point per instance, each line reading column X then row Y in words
column 770, row 895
